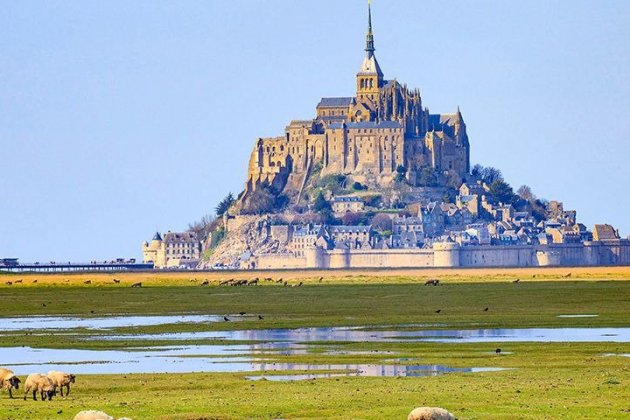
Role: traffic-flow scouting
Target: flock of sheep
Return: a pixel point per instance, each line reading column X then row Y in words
column 44, row 385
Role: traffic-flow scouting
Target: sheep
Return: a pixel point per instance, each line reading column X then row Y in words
column 431, row 282
column 205, row 283
column 430, row 413
column 95, row 415
column 61, row 379
column 36, row 382
column 92, row 415
column 137, row 284
column 9, row 381
column 87, row 282
column 116, row 281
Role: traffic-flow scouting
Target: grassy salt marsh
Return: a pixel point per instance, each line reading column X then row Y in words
column 544, row 380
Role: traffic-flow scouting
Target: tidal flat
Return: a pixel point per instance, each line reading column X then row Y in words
column 526, row 380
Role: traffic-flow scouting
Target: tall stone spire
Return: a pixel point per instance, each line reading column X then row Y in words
column 369, row 38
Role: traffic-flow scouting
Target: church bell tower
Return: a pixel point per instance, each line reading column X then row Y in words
column 370, row 76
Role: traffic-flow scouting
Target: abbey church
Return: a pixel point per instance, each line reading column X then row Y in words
column 367, row 137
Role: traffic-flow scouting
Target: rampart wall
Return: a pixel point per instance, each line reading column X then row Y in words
column 453, row 255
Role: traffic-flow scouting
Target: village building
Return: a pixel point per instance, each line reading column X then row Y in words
column 352, row 237
column 175, row 250
column 306, row 236
column 344, row 204
column 605, row 233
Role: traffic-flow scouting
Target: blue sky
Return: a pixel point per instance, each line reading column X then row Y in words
column 118, row 118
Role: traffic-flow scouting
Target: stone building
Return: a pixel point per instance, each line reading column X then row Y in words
column 344, row 204
column 367, row 136
column 175, row 250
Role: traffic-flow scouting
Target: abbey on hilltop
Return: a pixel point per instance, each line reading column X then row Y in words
column 379, row 133
column 376, row 180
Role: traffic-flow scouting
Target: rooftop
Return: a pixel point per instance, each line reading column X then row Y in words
column 335, row 102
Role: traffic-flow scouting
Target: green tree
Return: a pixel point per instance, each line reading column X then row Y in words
column 401, row 171
column 428, row 177
column 501, row 192
column 321, row 203
column 491, row 175
column 224, row 204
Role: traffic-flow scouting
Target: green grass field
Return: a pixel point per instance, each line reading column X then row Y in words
column 544, row 380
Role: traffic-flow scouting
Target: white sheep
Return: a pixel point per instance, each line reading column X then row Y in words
column 61, row 379
column 430, row 413
column 9, row 381
column 36, row 382
column 95, row 415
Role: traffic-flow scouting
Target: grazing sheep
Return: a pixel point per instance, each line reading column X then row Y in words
column 8, row 283
column 61, row 379
column 205, row 283
column 253, row 282
column 430, row 413
column 137, row 284
column 116, row 281
column 432, row 282
column 9, row 381
column 87, row 282
column 18, row 281
column 36, row 382
column 95, row 415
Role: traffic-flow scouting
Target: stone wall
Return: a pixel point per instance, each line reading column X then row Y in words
column 453, row 255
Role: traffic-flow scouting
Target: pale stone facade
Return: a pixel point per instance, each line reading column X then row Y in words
column 175, row 250
column 344, row 204
column 367, row 137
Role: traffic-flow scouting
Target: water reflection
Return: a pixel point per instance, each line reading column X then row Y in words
column 25, row 360
column 344, row 334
